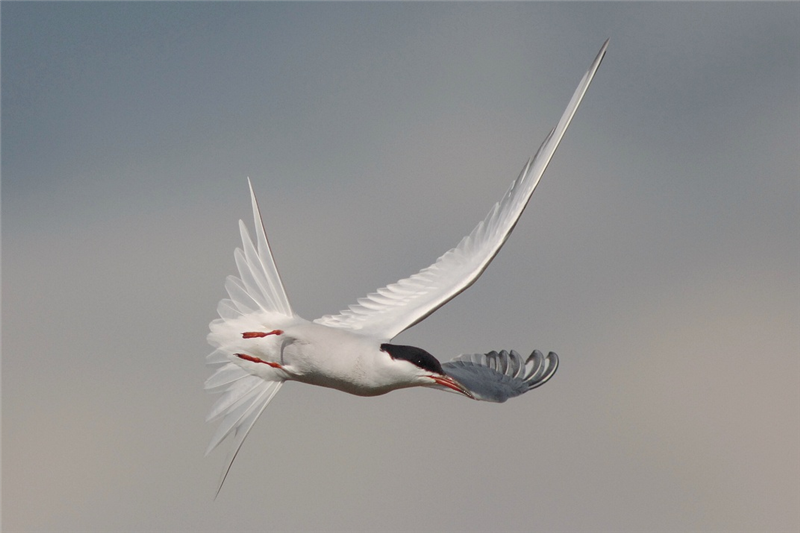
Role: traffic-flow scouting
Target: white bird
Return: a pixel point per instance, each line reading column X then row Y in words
column 261, row 343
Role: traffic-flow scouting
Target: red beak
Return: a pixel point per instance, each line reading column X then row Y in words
column 450, row 383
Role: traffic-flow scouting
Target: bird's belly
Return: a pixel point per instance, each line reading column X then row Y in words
column 350, row 384
column 339, row 371
column 340, row 361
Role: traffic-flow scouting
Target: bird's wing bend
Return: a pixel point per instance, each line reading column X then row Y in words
column 496, row 377
column 257, row 299
column 392, row 309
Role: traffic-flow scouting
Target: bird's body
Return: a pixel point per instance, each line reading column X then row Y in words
column 262, row 343
column 291, row 348
column 339, row 359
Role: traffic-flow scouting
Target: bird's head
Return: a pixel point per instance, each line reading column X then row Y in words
column 423, row 368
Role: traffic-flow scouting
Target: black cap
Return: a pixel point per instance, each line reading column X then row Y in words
column 414, row 355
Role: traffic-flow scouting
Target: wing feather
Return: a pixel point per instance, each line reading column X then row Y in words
column 498, row 376
column 396, row 307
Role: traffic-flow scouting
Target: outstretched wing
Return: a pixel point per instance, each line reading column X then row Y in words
column 257, row 300
column 496, row 377
column 392, row 309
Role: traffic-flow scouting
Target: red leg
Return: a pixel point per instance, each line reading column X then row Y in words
column 256, row 334
column 253, row 359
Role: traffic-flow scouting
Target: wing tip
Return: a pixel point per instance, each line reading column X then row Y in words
column 546, row 369
column 597, row 60
column 498, row 376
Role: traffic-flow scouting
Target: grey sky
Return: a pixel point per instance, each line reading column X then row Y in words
column 659, row 258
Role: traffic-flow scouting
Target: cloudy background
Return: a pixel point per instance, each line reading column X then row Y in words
column 659, row 257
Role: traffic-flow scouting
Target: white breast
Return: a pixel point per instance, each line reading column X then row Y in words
column 337, row 358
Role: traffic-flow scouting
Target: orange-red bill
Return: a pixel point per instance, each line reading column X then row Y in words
column 450, row 383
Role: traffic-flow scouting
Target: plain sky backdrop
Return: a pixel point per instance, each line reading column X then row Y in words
column 659, row 258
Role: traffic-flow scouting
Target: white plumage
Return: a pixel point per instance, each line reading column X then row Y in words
column 261, row 343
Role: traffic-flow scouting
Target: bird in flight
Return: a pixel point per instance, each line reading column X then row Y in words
column 261, row 343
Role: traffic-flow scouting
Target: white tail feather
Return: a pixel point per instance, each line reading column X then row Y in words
column 245, row 423
column 257, row 300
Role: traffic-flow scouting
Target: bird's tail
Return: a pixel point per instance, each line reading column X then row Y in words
column 250, row 319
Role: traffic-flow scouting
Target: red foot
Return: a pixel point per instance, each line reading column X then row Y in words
column 256, row 334
column 256, row 360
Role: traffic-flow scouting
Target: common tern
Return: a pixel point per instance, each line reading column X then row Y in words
column 261, row 343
